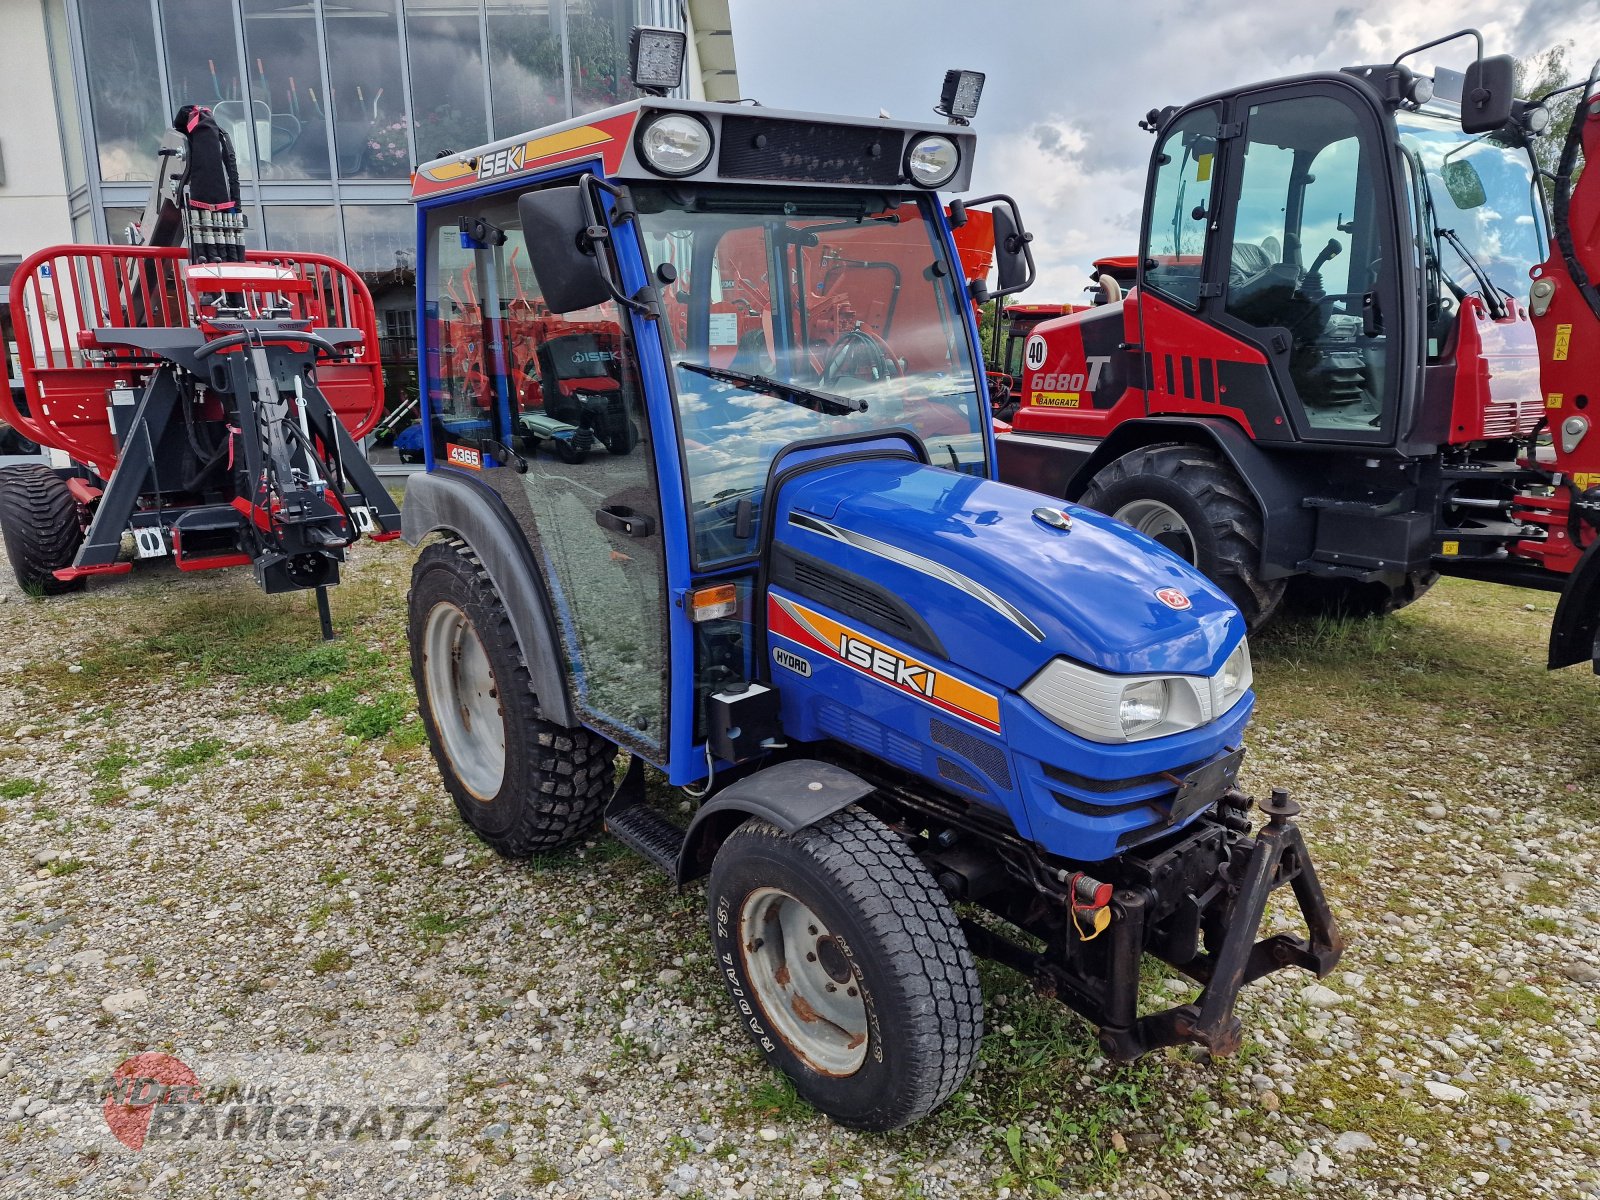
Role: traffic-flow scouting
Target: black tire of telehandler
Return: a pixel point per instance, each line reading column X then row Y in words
column 1311, row 596
column 41, row 523
column 556, row 780
column 904, row 946
column 1224, row 521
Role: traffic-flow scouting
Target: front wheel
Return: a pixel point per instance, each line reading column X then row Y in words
column 847, row 966
column 41, row 524
column 1193, row 503
column 523, row 784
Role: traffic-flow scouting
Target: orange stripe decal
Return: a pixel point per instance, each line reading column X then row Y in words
column 868, row 656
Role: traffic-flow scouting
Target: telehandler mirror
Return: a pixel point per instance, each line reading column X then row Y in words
column 1465, row 185
column 1487, row 94
column 560, row 232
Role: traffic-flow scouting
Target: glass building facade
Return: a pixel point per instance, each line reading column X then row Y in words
column 329, row 104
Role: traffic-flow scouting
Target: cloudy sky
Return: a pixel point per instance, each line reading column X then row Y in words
column 1068, row 80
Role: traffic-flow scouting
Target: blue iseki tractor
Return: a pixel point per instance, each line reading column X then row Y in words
column 925, row 715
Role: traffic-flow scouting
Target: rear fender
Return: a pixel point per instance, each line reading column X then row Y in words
column 791, row 795
column 1573, row 633
column 1288, row 527
column 448, row 502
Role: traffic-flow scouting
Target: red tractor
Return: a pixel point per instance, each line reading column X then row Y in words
column 1332, row 379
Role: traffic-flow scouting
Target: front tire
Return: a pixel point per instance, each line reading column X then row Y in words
column 523, row 784
column 41, row 524
column 847, row 966
column 1193, row 503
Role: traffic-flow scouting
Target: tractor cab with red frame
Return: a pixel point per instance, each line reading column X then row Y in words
column 1327, row 378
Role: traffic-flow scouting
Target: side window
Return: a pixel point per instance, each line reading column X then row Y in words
column 550, row 409
column 1180, row 206
column 1307, row 256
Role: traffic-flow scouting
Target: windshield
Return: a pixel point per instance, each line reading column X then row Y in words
column 780, row 305
column 1485, row 217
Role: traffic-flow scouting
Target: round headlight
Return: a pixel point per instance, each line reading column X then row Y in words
column 932, row 160
column 1536, row 119
column 675, row 144
column 1421, row 90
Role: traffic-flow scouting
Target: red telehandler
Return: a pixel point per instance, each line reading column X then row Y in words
column 208, row 404
column 1333, row 378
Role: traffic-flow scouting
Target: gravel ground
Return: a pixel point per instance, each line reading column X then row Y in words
column 227, row 844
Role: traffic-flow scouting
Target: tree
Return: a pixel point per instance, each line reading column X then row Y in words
column 1537, row 76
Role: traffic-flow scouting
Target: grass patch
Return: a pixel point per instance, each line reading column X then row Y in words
column 16, row 789
column 194, row 754
column 330, row 961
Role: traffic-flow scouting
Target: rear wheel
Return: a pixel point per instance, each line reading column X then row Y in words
column 1190, row 501
column 42, row 527
column 523, row 784
column 1309, row 595
column 847, row 966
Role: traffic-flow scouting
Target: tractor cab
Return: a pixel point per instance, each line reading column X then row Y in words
column 1320, row 252
column 630, row 319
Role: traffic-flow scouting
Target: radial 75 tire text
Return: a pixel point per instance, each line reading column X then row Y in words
column 847, row 967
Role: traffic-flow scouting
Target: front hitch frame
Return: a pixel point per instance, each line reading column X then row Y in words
column 1246, row 873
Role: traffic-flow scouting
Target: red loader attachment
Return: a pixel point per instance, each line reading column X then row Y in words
column 210, row 410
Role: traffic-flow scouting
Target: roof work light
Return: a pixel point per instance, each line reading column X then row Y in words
column 959, row 97
column 655, row 58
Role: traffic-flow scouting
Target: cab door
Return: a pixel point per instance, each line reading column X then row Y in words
column 1271, row 280
column 549, row 412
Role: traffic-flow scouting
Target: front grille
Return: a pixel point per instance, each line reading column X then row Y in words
column 991, row 760
column 809, row 152
column 959, row 775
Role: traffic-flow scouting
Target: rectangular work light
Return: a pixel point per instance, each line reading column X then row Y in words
column 959, row 98
column 655, row 58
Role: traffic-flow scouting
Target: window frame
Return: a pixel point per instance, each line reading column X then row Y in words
column 1380, row 167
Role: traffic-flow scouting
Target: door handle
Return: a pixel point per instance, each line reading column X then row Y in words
column 622, row 519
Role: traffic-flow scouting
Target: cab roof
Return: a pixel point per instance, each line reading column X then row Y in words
column 750, row 144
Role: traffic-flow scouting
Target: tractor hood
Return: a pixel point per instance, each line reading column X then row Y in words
column 964, row 567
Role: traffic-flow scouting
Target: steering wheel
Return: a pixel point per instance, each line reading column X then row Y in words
column 859, row 354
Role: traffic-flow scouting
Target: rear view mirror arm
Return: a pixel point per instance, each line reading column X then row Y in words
column 598, row 232
column 1018, row 241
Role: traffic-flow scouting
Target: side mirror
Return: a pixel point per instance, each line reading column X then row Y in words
column 1013, row 256
column 556, row 223
column 1487, row 94
column 1465, row 185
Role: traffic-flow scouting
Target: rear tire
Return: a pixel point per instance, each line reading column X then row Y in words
column 1192, row 502
column 1309, row 595
column 521, row 783
column 847, row 966
column 42, row 526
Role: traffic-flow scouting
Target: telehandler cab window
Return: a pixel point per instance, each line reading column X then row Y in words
column 791, row 318
column 1307, row 257
column 1482, row 217
column 548, row 410
column 1180, row 206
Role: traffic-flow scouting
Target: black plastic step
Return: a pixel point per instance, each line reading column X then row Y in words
column 648, row 833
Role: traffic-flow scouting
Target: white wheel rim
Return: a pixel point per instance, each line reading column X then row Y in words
column 1160, row 522
column 464, row 700
column 803, row 981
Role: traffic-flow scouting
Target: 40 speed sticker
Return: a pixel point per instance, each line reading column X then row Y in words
column 868, row 656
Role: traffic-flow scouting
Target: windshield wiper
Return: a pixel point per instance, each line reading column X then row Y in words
column 828, row 403
column 1492, row 296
